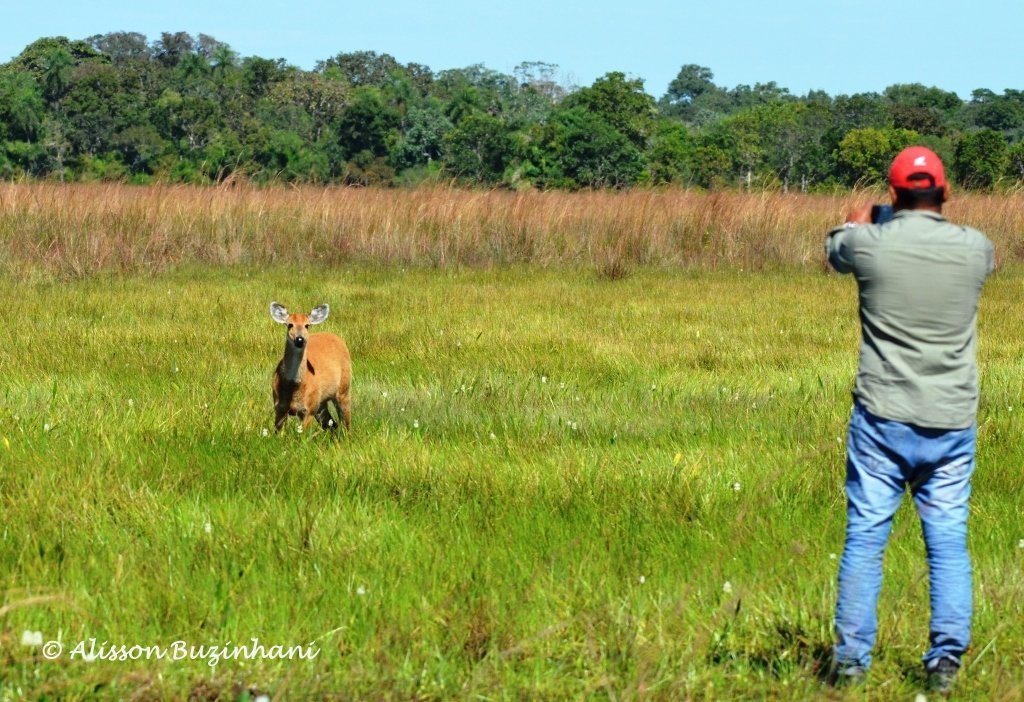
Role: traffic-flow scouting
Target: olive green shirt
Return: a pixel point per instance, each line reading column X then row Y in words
column 919, row 278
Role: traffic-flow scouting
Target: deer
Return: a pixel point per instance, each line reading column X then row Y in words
column 315, row 371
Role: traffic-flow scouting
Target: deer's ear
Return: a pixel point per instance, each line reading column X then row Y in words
column 278, row 313
column 319, row 314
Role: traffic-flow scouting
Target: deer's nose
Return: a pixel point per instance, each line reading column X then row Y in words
column 300, row 341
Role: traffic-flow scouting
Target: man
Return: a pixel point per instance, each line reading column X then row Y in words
column 919, row 278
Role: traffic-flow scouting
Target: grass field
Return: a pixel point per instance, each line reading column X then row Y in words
column 73, row 231
column 557, row 486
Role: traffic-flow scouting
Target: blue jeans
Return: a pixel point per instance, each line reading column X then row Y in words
column 884, row 458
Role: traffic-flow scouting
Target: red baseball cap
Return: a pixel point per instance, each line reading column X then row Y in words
column 917, row 167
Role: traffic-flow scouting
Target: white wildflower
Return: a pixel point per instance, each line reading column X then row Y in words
column 415, row 424
column 1020, row 544
column 298, row 429
column 360, row 590
column 736, row 487
column 46, row 426
column 131, row 402
column 727, row 587
column 208, row 528
column 384, row 394
column 493, row 436
column 642, row 580
column 34, row 639
column 832, row 556
column 265, row 432
column 543, row 379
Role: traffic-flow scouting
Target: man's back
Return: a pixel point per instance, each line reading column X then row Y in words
column 913, row 424
column 919, row 279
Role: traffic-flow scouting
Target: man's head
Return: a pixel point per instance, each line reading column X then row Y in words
column 917, row 180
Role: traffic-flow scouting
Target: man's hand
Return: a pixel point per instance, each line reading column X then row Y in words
column 861, row 215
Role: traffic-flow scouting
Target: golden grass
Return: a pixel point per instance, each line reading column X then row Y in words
column 75, row 230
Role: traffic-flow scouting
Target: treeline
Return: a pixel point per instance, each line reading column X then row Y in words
column 189, row 109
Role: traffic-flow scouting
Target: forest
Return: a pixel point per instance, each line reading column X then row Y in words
column 188, row 109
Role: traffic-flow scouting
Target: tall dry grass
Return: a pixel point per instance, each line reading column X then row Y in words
column 74, row 230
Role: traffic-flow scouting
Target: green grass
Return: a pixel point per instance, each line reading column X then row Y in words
column 549, row 481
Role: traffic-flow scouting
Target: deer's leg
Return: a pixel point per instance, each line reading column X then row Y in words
column 323, row 415
column 344, row 405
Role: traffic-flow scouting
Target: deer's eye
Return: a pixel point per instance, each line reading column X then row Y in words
column 290, row 325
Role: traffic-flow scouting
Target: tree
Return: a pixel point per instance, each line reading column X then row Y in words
column 982, row 158
column 361, row 68
column 693, row 97
column 259, row 75
column 541, row 78
column 739, row 137
column 21, row 106
column 690, row 84
column 171, row 47
column 621, row 103
column 792, row 134
column 537, row 95
column 921, row 109
column 712, row 167
column 864, row 155
column 56, row 65
column 141, row 148
column 122, row 47
column 670, row 154
column 367, row 124
column 744, row 97
column 190, row 121
column 37, row 56
column 288, row 157
column 1016, row 156
column 193, row 72
column 1003, row 113
column 422, row 140
column 486, row 90
column 466, row 102
column 322, row 99
column 478, row 149
column 94, row 108
column 581, row 148
column 859, row 111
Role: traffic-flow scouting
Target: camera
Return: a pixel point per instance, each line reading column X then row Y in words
column 880, row 214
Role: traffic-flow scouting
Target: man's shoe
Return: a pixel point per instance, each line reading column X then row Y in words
column 851, row 676
column 942, row 675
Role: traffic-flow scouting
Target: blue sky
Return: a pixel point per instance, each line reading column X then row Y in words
column 840, row 46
